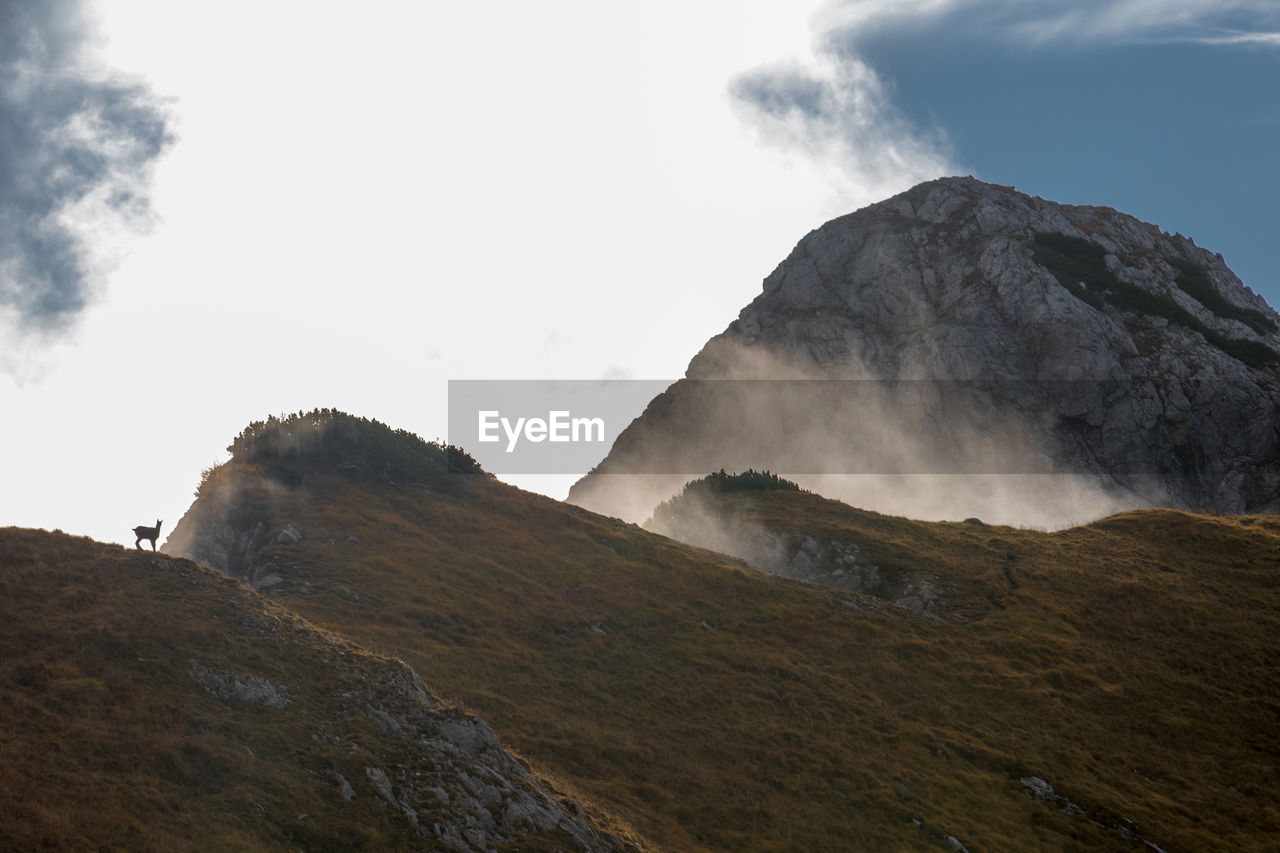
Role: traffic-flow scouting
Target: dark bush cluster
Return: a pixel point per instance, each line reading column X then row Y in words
column 334, row 440
column 1081, row 268
column 748, row 481
column 1077, row 264
column 1194, row 282
column 721, row 483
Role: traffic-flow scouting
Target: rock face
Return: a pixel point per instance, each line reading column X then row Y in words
column 964, row 349
column 454, row 783
column 833, row 562
column 839, row 561
column 253, row 689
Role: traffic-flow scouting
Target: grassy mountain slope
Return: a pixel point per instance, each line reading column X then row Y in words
column 1126, row 664
column 149, row 703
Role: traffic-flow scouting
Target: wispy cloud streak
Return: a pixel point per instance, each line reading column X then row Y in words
column 76, row 146
column 1074, row 22
column 1260, row 39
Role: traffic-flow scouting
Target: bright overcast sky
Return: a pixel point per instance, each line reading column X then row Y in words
column 293, row 205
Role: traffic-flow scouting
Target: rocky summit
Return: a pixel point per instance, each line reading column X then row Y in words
column 963, row 349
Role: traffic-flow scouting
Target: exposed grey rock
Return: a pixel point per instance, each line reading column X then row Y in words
column 921, row 593
column 227, row 528
column 831, row 562
column 1038, row 789
column 454, row 782
column 224, row 544
column 348, row 792
column 968, row 371
column 1041, row 791
column 378, row 777
column 253, row 689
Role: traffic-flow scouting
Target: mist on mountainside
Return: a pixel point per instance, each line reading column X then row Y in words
column 927, row 449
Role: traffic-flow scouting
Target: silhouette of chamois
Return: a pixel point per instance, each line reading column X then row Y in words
column 151, row 534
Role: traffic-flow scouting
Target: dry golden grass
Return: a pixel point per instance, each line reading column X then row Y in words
column 1130, row 663
column 108, row 742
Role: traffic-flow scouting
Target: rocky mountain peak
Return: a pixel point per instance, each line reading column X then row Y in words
column 959, row 279
column 1107, row 351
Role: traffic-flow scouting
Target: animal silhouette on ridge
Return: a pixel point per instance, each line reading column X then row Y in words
column 151, row 534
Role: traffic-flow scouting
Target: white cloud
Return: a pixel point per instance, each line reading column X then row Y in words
column 837, row 113
column 828, row 108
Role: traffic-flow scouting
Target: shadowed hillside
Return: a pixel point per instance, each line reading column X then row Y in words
column 1096, row 688
column 149, row 703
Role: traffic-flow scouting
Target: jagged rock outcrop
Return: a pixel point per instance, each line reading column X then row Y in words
column 232, row 521
column 224, row 531
column 243, row 687
column 965, row 349
column 700, row 517
column 453, row 781
column 833, row 562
